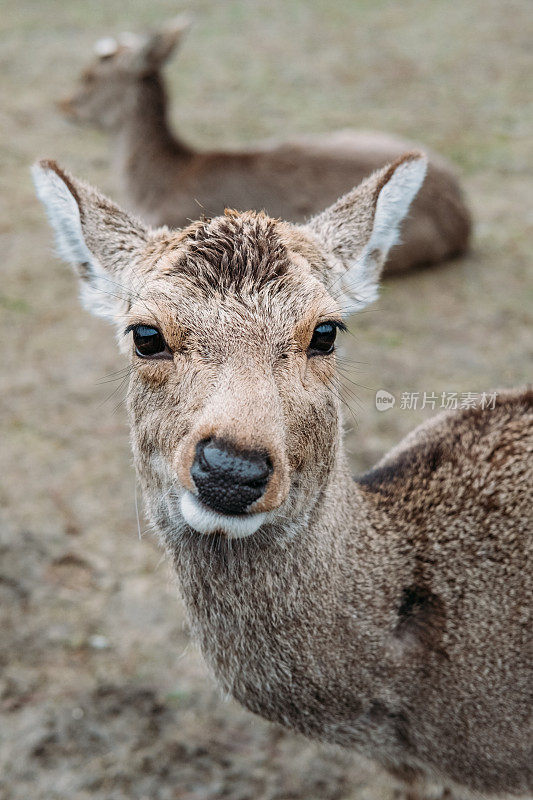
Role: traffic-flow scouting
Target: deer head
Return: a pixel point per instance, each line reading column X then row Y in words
column 107, row 87
column 230, row 327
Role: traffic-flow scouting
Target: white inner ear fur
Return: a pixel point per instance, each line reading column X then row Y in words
column 64, row 215
column 99, row 294
column 106, row 47
column 361, row 280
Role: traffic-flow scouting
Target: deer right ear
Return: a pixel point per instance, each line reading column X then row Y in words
column 160, row 45
column 358, row 230
column 95, row 236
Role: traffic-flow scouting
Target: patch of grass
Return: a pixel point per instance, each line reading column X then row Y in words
column 17, row 304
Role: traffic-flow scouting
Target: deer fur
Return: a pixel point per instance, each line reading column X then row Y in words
column 167, row 182
column 391, row 613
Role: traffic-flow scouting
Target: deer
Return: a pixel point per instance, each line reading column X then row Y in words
column 168, row 182
column 390, row 613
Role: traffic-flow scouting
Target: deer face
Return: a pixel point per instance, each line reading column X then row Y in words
column 107, row 89
column 230, row 330
column 103, row 93
column 232, row 352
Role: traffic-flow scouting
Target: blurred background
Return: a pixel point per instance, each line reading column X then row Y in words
column 101, row 694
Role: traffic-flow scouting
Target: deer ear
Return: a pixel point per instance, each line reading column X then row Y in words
column 160, row 45
column 106, row 47
column 101, row 241
column 360, row 228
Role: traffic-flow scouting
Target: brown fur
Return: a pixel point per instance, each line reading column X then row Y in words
column 392, row 613
column 167, row 182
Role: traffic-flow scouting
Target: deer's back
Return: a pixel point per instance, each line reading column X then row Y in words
column 294, row 180
column 459, row 494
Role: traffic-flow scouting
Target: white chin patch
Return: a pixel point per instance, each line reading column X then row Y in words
column 203, row 520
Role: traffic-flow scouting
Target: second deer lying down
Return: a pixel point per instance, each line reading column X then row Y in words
column 391, row 614
column 169, row 183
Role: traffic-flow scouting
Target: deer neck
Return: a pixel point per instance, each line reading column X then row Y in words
column 280, row 618
column 147, row 154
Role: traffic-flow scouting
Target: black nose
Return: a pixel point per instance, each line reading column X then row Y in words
column 228, row 479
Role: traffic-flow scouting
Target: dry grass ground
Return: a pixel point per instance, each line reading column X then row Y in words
column 101, row 696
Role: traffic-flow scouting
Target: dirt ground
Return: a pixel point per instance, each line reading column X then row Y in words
column 101, row 694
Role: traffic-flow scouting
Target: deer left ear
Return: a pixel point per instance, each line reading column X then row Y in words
column 102, row 242
column 361, row 227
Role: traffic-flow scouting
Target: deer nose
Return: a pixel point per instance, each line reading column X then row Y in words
column 228, row 479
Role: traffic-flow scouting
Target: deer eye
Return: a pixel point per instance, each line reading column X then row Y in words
column 323, row 339
column 149, row 342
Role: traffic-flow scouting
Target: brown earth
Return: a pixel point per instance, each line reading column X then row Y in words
column 101, row 694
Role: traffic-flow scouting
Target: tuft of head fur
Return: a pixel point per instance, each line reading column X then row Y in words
column 237, row 252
